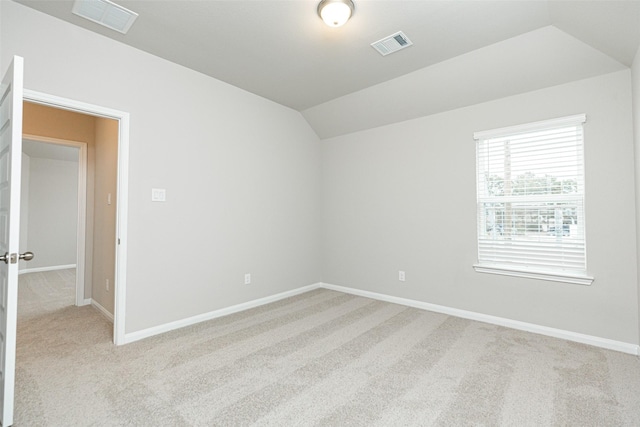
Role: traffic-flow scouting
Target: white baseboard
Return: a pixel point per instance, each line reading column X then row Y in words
column 51, row 268
column 102, row 310
column 146, row 333
column 85, row 302
column 500, row 321
column 514, row 324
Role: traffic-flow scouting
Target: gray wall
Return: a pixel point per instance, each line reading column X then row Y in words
column 242, row 173
column 50, row 211
column 402, row 197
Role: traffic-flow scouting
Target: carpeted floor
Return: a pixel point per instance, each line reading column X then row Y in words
column 320, row 358
column 45, row 291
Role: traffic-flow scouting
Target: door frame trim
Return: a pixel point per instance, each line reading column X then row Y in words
column 122, row 193
column 81, row 224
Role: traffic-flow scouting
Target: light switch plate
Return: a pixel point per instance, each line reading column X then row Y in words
column 158, row 195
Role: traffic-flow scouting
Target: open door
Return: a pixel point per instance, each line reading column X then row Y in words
column 10, row 165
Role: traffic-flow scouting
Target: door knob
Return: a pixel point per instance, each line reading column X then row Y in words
column 27, row 256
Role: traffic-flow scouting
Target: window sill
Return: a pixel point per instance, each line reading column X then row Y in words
column 550, row 276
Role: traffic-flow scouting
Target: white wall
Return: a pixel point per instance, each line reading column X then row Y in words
column 241, row 172
column 635, row 77
column 402, row 197
column 52, row 214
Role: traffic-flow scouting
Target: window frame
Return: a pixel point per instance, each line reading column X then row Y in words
column 555, row 274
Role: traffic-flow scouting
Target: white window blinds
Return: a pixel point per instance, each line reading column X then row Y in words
column 530, row 201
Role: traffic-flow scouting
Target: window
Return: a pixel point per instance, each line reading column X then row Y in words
column 530, row 183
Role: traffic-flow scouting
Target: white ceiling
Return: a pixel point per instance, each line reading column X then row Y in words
column 541, row 58
column 281, row 50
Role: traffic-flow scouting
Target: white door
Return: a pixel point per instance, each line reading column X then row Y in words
column 10, row 164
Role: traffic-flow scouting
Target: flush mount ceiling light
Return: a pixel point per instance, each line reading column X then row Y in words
column 105, row 13
column 335, row 13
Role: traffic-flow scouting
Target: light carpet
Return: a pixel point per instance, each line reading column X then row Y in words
column 46, row 291
column 322, row 358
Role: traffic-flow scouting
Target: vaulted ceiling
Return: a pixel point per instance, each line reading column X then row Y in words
column 463, row 52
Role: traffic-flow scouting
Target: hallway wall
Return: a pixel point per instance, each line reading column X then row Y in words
column 50, row 212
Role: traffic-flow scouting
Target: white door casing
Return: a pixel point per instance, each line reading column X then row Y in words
column 10, row 165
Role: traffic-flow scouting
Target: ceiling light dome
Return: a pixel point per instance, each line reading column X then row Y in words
column 335, row 13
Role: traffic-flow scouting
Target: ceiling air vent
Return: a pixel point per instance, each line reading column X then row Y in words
column 392, row 43
column 105, row 13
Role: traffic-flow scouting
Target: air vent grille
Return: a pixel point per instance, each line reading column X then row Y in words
column 105, row 13
column 392, row 43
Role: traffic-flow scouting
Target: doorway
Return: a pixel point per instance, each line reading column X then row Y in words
column 105, row 207
column 52, row 224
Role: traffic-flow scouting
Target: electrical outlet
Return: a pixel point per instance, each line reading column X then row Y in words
column 158, row 195
column 401, row 276
column 106, row 284
column 247, row 279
